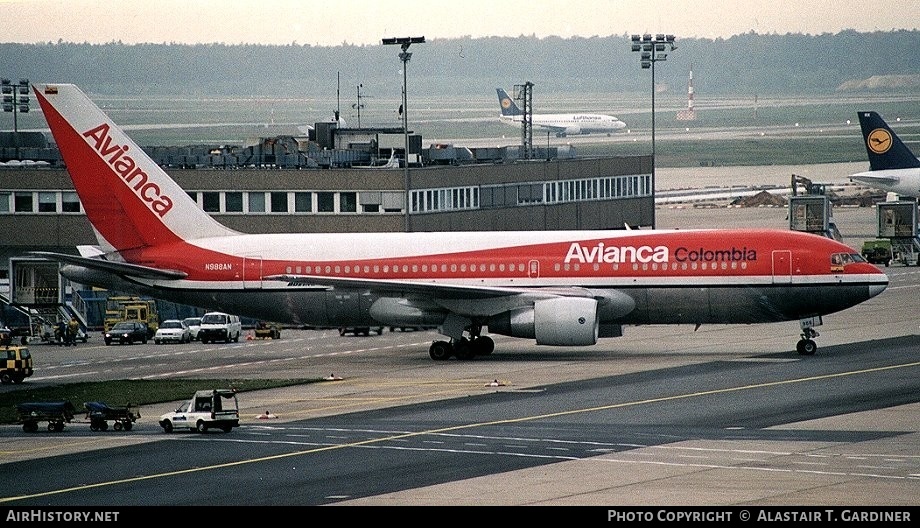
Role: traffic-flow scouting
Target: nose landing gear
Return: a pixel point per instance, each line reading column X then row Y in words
column 806, row 346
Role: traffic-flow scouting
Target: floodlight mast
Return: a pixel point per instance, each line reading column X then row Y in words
column 652, row 51
column 15, row 100
column 404, row 56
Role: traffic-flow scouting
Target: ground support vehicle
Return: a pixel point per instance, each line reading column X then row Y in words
column 15, row 364
column 360, row 330
column 55, row 413
column 265, row 330
column 878, row 251
column 130, row 308
column 207, row 409
column 100, row 414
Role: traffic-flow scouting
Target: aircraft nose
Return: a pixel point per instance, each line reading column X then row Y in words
column 879, row 281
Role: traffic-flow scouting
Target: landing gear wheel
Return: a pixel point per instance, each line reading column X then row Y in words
column 440, row 350
column 483, row 345
column 806, row 347
column 463, row 349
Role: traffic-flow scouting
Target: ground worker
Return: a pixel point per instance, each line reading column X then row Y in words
column 73, row 328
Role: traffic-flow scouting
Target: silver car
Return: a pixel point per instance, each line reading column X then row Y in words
column 172, row 331
column 194, row 325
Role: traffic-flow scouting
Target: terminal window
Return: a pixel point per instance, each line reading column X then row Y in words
column 70, row 202
column 233, row 202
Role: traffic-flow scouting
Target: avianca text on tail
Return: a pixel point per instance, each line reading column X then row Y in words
column 557, row 288
column 123, row 164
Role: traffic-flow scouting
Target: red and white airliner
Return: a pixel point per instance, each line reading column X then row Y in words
column 563, row 288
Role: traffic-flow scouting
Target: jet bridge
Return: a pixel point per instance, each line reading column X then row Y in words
column 897, row 221
column 813, row 214
column 37, row 291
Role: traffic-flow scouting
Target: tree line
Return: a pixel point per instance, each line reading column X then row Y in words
column 766, row 64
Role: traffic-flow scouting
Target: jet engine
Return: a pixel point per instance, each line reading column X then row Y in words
column 561, row 321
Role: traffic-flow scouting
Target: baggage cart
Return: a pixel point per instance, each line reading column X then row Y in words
column 99, row 414
column 29, row 414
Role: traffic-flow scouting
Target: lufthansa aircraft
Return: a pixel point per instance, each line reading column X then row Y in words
column 561, row 124
column 892, row 166
column 564, row 288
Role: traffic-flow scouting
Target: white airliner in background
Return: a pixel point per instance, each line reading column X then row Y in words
column 892, row 166
column 561, row 124
column 562, row 288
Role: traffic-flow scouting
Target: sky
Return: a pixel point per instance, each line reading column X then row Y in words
column 361, row 22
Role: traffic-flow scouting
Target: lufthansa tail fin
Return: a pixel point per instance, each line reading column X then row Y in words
column 506, row 103
column 884, row 147
column 131, row 202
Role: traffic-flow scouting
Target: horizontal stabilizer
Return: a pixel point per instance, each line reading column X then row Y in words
column 120, row 268
column 870, row 178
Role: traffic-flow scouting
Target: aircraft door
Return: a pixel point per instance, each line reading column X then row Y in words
column 533, row 269
column 252, row 272
column 782, row 266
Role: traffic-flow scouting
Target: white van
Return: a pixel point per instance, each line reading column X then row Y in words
column 218, row 326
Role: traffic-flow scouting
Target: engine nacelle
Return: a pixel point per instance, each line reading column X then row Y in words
column 562, row 321
column 402, row 312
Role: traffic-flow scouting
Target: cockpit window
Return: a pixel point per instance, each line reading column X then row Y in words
column 842, row 259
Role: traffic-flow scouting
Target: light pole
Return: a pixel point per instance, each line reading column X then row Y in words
column 16, row 100
column 404, row 56
column 652, row 51
column 359, row 106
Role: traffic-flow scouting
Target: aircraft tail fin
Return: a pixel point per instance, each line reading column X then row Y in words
column 507, row 104
column 884, row 148
column 130, row 200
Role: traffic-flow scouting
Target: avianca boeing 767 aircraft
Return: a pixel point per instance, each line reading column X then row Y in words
column 564, row 288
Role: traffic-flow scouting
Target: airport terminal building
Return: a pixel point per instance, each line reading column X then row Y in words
column 39, row 209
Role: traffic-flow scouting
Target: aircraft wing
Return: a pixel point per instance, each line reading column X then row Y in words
column 463, row 298
column 118, row 268
column 429, row 289
column 553, row 128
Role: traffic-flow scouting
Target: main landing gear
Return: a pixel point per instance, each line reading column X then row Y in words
column 464, row 348
column 806, row 346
